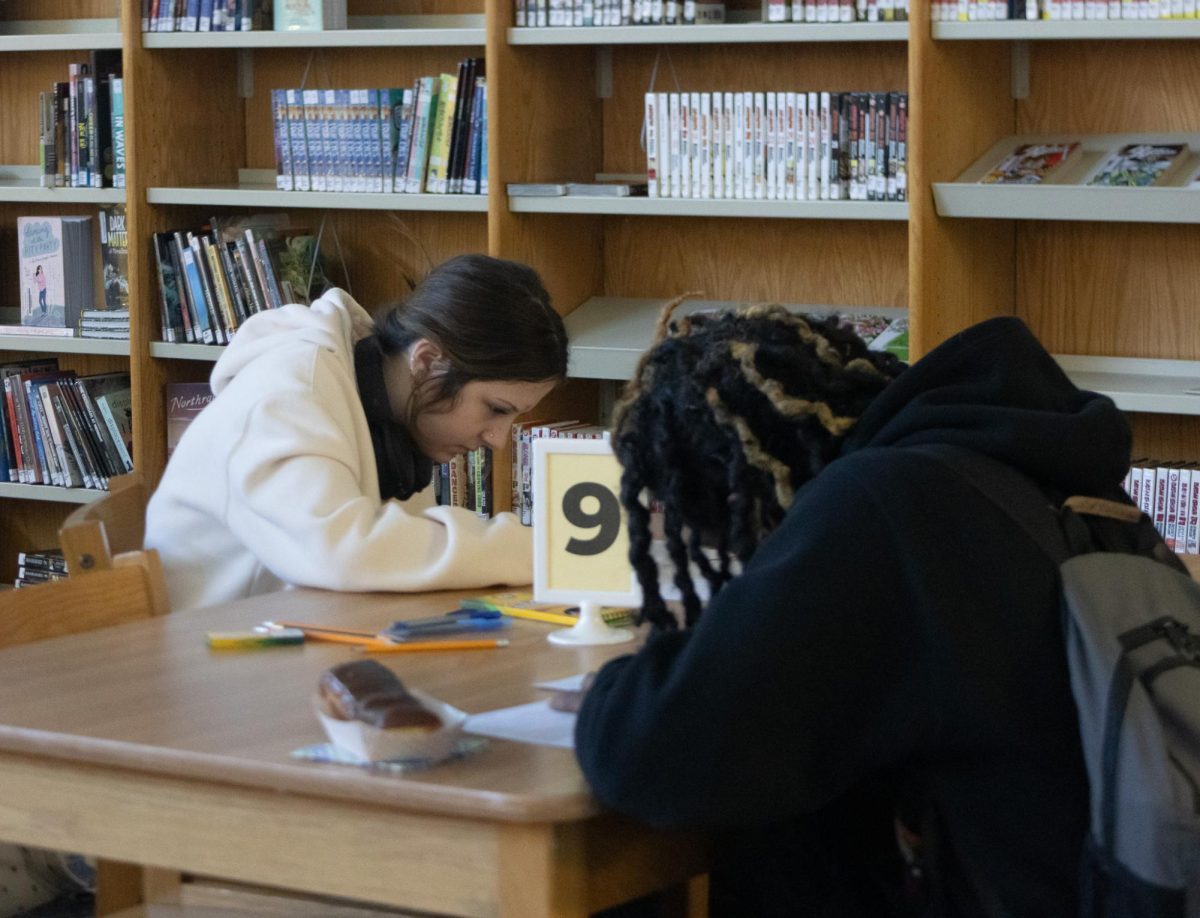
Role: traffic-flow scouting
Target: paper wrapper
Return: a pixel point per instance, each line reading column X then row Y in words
column 372, row 744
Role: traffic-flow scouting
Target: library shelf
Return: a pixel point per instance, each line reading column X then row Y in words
column 700, row 207
column 1063, row 194
column 59, row 35
column 1067, row 30
column 256, row 188
column 49, row 493
column 608, row 334
column 54, row 344
column 22, row 185
column 722, row 33
column 1138, row 384
column 465, row 31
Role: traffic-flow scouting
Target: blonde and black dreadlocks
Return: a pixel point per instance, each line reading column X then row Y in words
column 725, row 418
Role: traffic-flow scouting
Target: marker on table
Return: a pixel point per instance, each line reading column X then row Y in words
column 250, row 640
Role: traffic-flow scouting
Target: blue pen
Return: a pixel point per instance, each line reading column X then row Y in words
column 457, row 621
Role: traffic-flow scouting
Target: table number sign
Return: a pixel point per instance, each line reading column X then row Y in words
column 580, row 542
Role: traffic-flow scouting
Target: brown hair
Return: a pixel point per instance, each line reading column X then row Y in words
column 492, row 320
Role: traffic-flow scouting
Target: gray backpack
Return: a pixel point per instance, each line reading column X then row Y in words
column 1131, row 620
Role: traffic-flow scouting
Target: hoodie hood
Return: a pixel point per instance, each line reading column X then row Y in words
column 994, row 389
column 329, row 322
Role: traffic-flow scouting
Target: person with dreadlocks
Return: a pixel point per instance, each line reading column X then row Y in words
column 891, row 643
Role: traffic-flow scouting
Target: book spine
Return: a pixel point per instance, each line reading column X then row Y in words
column 195, row 286
column 115, row 431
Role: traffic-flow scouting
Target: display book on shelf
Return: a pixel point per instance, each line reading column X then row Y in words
column 428, row 138
column 1113, row 164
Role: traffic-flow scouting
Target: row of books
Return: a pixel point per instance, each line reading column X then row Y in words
column 1092, row 10
column 607, row 13
column 837, row 10
column 211, row 15
column 34, row 567
column 81, row 126
column 1134, row 165
column 213, row 278
column 429, row 138
column 466, row 481
column 523, row 435
column 64, row 430
column 777, row 146
column 1168, row 493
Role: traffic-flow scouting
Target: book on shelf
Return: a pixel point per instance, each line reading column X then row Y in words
column 879, row 332
column 114, row 257
column 1138, row 165
column 537, row 189
column 42, row 566
column 55, row 265
column 309, row 15
column 1032, row 163
column 184, row 402
column 36, row 331
column 466, row 481
column 607, row 189
column 206, row 15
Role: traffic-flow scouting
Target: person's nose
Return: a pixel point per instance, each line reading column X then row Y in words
column 496, row 434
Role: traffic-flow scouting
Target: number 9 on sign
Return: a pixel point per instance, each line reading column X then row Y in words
column 580, row 543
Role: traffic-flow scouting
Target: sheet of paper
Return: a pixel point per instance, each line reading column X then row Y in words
column 566, row 684
column 535, row 722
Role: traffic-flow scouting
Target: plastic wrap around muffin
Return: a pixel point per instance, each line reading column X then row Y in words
column 368, row 712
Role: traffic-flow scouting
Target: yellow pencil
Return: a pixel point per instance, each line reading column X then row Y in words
column 418, row 646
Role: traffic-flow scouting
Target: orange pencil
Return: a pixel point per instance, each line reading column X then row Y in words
column 418, row 646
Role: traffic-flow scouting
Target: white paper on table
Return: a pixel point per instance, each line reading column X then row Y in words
column 566, row 684
column 535, row 722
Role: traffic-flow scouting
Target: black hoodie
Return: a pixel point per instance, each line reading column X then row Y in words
column 895, row 643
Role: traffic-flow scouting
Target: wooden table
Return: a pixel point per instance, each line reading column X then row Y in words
column 138, row 744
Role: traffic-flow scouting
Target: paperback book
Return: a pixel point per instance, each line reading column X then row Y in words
column 1138, row 165
column 184, row 402
column 55, row 264
column 1031, row 163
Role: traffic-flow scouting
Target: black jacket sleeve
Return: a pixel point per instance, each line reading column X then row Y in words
column 802, row 676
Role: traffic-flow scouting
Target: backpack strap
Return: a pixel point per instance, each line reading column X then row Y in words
column 1014, row 493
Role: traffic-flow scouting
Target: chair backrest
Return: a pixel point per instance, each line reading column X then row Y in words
column 111, row 578
column 133, row 588
column 93, row 534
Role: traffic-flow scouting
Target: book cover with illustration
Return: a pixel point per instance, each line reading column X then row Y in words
column 879, row 332
column 1137, row 165
column 114, row 257
column 1030, row 163
column 55, row 265
column 184, row 402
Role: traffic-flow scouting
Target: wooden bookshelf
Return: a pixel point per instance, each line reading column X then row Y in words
column 1099, row 277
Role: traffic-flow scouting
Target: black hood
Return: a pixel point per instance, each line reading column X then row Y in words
column 994, row 389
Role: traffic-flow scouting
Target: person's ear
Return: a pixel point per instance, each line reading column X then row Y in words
column 425, row 358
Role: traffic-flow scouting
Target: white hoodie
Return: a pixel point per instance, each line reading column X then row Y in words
column 275, row 481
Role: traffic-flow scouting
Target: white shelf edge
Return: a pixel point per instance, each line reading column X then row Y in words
column 21, row 184
column 53, row 344
column 466, row 30
column 1063, row 196
column 728, row 33
column 50, row 493
column 268, row 196
column 168, row 351
column 60, row 35
column 608, row 334
column 1062, row 30
column 686, row 207
column 1138, row 385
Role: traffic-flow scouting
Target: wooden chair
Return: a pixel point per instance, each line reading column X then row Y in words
column 111, row 580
